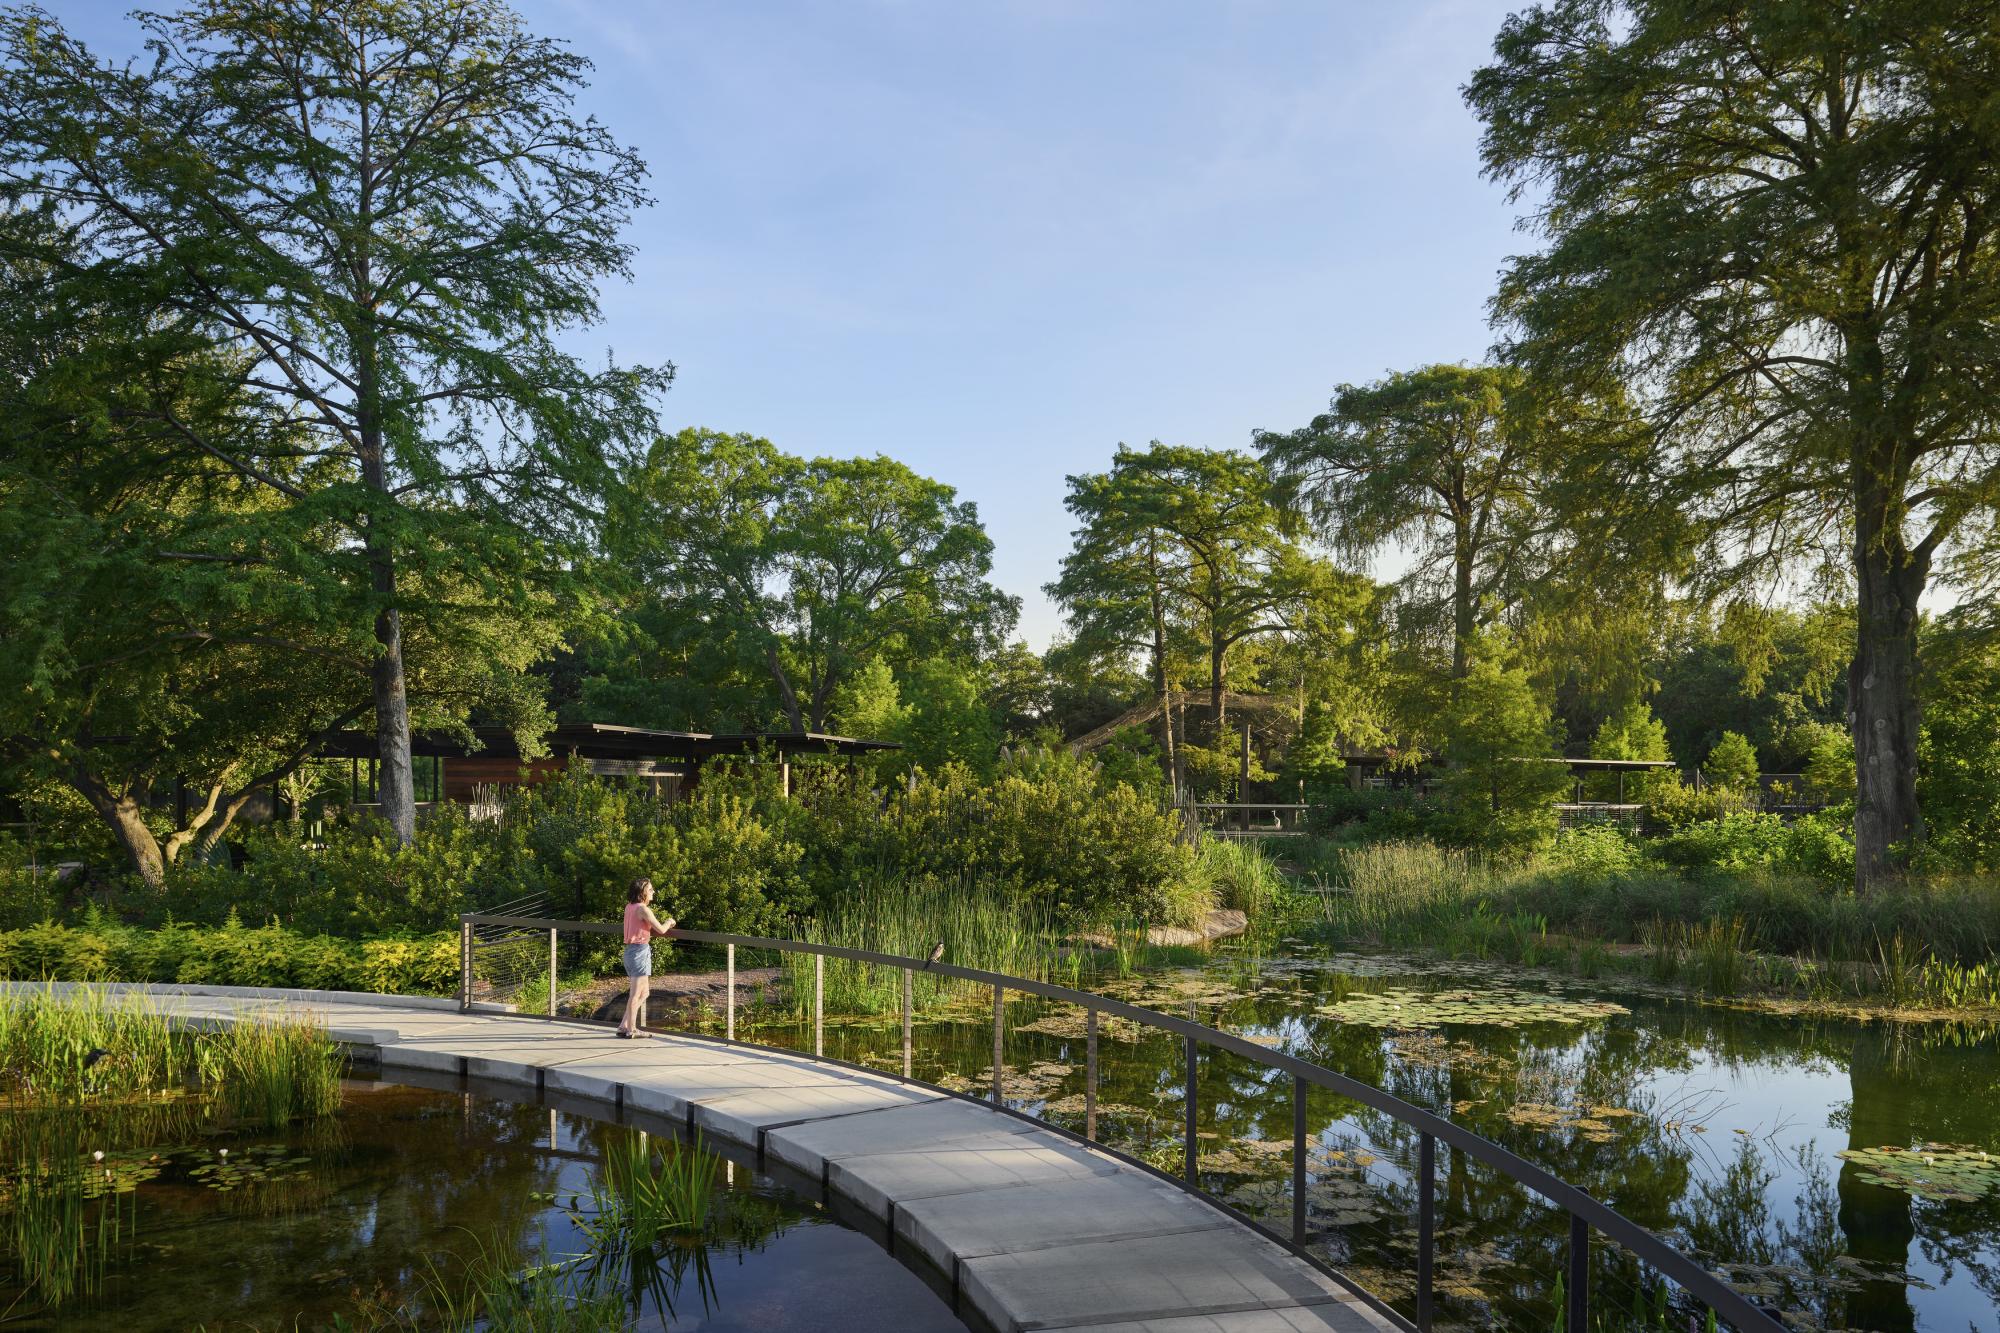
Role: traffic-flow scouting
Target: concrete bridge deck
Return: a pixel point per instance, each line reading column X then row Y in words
column 1037, row 1231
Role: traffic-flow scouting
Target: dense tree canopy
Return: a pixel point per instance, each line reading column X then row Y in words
column 383, row 214
column 802, row 570
column 1774, row 225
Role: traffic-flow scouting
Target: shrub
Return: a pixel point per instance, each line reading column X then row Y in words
column 1593, row 849
column 231, row 955
column 1731, row 763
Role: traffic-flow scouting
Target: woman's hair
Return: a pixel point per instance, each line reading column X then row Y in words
column 638, row 889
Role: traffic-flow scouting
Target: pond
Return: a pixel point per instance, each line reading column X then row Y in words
column 408, row 1189
column 1835, row 1170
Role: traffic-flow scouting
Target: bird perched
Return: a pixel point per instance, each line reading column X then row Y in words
column 96, row 1053
column 937, row 953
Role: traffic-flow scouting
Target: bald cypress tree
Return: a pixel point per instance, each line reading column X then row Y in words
column 1775, row 223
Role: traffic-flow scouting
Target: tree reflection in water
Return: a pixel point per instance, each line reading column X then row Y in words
column 1714, row 1126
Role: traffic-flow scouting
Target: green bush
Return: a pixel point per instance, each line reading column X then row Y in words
column 1731, row 763
column 1594, row 849
column 229, row 955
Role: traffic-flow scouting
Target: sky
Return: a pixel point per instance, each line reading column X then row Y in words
column 993, row 239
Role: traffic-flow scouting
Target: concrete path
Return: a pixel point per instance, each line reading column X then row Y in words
column 1036, row 1231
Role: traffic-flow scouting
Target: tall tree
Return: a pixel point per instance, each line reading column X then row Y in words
column 1439, row 460
column 1186, row 534
column 1776, row 224
column 174, row 639
column 810, row 567
column 387, row 213
column 1115, row 581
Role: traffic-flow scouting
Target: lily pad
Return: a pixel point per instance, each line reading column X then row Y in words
column 1498, row 1007
column 1948, row 1171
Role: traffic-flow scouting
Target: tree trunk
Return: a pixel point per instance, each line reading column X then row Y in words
column 127, row 821
column 1461, row 608
column 396, row 785
column 1159, row 610
column 1216, row 704
column 1883, row 713
column 787, row 696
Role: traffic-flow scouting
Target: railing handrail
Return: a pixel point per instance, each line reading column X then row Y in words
column 1726, row 1301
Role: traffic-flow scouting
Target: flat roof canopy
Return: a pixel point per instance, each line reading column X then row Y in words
column 603, row 740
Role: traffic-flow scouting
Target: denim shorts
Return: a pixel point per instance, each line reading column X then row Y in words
column 638, row 960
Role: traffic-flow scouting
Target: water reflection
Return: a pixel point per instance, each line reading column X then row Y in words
column 361, row 1212
column 1717, row 1127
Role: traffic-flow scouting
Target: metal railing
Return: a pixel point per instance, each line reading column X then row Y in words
column 1586, row 1214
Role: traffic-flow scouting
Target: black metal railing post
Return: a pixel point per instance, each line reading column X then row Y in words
column 999, row 1049
column 1190, row 1158
column 1298, row 1160
column 1586, row 1214
column 1090, row 1074
column 1426, row 1229
column 1579, row 1275
column 907, row 1007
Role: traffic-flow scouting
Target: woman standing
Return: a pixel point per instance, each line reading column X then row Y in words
column 640, row 928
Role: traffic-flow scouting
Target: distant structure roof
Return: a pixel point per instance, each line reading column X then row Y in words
column 604, row 740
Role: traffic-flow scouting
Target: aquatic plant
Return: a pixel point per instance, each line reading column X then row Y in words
column 650, row 1187
column 272, row 1071
column 1717, row 951
column 1499, row 1007
column 1946, row 1171
column 48, row 1036
column 1238, row 874
column 978, row 925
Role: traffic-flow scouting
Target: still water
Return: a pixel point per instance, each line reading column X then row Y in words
column 327, row 1220
column 1720, row 1128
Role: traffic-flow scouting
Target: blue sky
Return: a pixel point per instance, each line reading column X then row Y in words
column 993, row 240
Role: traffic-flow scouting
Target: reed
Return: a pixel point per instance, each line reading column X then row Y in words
column 652, row 1187
column 47, row 1036
column 978, row 925
column 273, row 1072
column 1718, row 952
column 1239, row 875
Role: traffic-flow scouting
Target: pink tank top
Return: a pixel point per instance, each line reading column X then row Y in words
column 638, row 927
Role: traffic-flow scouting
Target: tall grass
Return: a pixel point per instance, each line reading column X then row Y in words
column 973, row 919
column 273, row 1072
column 1923, row 943
column 1402, row 892
column 1238, row 874
column 47, row 1036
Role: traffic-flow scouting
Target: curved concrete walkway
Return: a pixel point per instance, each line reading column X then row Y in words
column 1036, row 1230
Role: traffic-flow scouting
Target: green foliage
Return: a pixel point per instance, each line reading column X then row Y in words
column 1758, row 218
column 1732, row 763
column 231, row 955
column 1827, row 755
column 1503, row 780
column 1049, row 826
column 791, row 575
column 389, row 290
column 1960, row 776
column 934, row 708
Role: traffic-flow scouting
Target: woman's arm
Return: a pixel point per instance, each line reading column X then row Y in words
column 653, row 922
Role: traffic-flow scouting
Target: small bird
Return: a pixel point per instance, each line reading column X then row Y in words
column 937, row 953
column 96, row 1053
